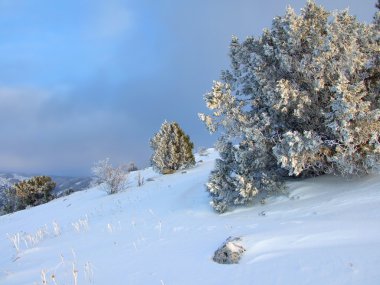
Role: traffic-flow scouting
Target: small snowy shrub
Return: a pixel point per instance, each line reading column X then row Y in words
column 132, row 167
column 112, row 178
column 300, row 100
column 172, row 148
column 140, row 180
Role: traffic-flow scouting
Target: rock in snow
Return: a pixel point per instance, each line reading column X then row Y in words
column 229, row 252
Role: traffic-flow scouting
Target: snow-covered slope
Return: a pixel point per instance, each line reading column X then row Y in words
column 326, row 232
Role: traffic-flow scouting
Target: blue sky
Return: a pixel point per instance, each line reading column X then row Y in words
column 82, row 80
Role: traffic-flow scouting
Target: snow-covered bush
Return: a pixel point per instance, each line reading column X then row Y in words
column 113, row 179
column 172, row 148
column 132, row 167
column 302, row 99
column 32, row 192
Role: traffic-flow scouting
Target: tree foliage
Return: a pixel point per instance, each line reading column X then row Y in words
column 31, row 192
column 300, row 100
column 172, row 148
column 35, row 191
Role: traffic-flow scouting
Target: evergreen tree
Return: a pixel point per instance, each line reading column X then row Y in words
column 172, row 148
column 302, row 99
column 32, row 192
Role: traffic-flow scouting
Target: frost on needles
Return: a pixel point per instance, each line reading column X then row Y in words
column 300, row 100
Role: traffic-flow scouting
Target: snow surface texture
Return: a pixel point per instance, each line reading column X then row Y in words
column 165, row 232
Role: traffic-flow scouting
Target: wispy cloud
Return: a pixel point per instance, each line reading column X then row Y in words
column 112, row 19
column 20, row 104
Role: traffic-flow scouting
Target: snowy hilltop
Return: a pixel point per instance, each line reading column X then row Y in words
column 326, row 230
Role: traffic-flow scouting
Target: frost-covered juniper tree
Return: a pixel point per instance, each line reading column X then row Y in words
column 302, row 99
column 31, row 192
column 172, row 148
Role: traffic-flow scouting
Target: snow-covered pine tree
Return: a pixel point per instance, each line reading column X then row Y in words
column 172, row 148
column 302, row 99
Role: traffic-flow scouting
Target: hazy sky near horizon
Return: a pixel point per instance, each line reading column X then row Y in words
column 82, row 80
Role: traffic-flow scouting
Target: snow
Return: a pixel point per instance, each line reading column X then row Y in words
column 326, row 231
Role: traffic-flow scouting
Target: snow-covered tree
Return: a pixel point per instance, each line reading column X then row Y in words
column 302, row 99
column 31, row 192
column 172, row 148
column 111, row 178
